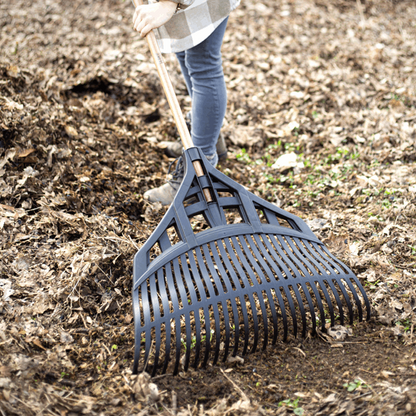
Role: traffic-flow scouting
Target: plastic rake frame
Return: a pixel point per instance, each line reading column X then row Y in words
column 253, row 270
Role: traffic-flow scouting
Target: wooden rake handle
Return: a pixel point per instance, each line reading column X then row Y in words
column 167, row 86
column 172, row 99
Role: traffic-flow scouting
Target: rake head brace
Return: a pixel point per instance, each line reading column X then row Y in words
column 231, row 282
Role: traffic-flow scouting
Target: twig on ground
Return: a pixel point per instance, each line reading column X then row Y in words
column 243, row 395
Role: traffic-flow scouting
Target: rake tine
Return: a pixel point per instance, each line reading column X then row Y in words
column 236, row 328
column 274, row 316
column 357, row 282
column 311, row 307
column 237, row 284
column 192, row 293
column 241, row 273
column 338, row 299
column 198, row 280
column 194, row 273
column 179, row 283
column 211, row 290
column 217, row 333
column 157, row 351
column 319, row 302
column 321, row 284
column 178, row 337
column 137, row 329
column 301, row 308
column 284, row 260
column 307, row 258
column 276, row 269
column 261, row 254
column 156, row 312
column 290, row 300
column 207, row 336
column 176, row 314
column 175, row 304
column 351, row 314
column 197, row 338
column 301, row 262
column 309, row 254
column 324, row 263
column 223, row 273
column 345, row 294
column 188, row 341
column 292, row 310
column 215, row 310
column 328, row 301
column 366, row 301
column 221, row 292
column 164, row 296
column 146, row 315
column 259, row 273
column 320, row 263
column 312, row 256
column 165, row 307
column 184, row 300
column 276, row 266
column 347, row 300
column 167, row 344
column 283, row 310
column 296, row 253
column 357, row 300
column 278, row 246
column 324, row 256
column 227, row 329
column 188, row 280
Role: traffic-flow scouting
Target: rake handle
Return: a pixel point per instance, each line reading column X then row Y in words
column 172, row 99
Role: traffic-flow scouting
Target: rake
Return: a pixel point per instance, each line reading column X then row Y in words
column 225, row 270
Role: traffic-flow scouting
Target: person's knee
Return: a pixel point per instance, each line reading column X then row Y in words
column 205, row 66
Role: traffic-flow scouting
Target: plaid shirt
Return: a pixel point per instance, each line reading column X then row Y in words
column 193, row 23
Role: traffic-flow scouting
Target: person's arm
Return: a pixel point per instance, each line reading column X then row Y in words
column 154, row 15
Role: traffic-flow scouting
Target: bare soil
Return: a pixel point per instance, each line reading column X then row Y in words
column 81, row 117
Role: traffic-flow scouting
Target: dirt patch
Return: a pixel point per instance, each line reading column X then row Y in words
column 320, row 121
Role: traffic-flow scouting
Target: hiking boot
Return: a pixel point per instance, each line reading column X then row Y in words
column 172, row 149
column 221, row 148
column 166, row 193
column 175, row 149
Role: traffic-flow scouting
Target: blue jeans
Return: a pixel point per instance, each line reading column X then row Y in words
column 202, row 69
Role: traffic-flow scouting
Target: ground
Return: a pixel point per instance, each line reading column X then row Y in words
column 330, row 82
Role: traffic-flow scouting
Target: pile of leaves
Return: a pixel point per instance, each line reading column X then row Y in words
column 320, row 121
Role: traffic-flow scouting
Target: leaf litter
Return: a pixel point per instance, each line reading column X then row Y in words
column 321, row 122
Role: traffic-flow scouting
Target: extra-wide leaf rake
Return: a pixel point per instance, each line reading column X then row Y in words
column 225, row 269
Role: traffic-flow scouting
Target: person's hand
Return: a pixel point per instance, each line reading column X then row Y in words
column 152, row 16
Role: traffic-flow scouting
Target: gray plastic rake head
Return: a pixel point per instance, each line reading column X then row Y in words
column 246, row 271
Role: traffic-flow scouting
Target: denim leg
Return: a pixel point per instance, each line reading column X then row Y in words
column 202, row 68
column 185, row 73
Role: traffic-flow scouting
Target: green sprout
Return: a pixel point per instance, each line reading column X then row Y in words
column 243, row 157
column 354, row 385
column 294, row 404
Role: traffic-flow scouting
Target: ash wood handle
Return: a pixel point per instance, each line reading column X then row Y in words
column 168, row 87
column 172, row 99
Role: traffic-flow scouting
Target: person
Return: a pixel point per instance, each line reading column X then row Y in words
column 194, row 31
